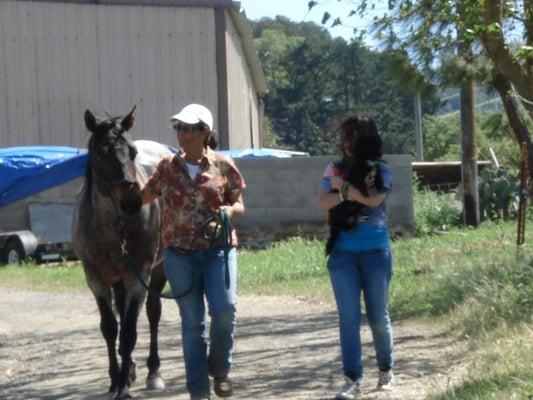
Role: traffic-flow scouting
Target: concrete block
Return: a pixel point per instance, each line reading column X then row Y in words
column 280, row 214
column 257, row 176
column 295, row 200
column 257, row 189
column 252, row 214
column 263, row 201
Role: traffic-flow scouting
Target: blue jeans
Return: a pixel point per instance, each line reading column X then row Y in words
column 206, row 271
column 369, row 272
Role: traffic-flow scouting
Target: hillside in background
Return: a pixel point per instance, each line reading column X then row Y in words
column 450, row 102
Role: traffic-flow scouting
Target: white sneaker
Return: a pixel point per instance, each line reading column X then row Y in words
column 350, row 390
column 385, row 380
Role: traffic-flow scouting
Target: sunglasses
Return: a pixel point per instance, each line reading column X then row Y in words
column 189, row 128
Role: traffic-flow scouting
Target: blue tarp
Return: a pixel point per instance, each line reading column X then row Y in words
column 28, row 170
column 250, row 153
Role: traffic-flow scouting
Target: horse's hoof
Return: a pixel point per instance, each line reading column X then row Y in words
column 123, row 397
column 154, row 381
column 132, row 373
column 124, row 394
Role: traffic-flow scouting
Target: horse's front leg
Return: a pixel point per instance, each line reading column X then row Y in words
column 135, row 294
column 109, row 329
column 154, row 380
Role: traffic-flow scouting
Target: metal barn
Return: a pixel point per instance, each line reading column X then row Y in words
column 60, row 57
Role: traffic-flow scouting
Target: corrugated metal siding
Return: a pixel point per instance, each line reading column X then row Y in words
column 243, row 107
column 58, row 59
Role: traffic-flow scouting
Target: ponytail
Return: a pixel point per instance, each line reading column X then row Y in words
column 211, row 141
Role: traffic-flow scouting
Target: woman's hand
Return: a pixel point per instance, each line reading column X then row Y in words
column 336, row 182
column 234, row 210
column 228, row 210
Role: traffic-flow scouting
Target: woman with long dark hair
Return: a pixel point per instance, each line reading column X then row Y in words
column 359, row 255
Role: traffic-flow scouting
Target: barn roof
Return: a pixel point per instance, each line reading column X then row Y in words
column 247, row 38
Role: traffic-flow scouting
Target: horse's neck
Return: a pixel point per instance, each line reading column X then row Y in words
column 104, row 210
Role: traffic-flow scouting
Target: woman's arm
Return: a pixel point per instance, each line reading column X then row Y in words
column 327, row 200
column 374, row 199
column 234, row 210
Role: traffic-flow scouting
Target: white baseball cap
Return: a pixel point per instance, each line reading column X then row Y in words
column 194, row 114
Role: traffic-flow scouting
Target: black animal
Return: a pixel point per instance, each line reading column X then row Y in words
column 114, row 235
column 362, row 159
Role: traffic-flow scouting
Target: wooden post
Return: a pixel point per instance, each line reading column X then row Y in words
column 419, row 143
column 469, row 156
column 468, row 134
column 524, row 194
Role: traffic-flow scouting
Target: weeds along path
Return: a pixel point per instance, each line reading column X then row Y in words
column 51, row 348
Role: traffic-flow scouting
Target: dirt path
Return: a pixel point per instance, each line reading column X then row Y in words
column 51, row 348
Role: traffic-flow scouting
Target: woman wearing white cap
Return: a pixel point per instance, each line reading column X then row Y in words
column 200, row 187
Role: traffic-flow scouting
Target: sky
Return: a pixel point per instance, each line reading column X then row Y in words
column 297, row 11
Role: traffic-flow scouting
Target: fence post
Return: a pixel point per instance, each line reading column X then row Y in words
column 524, row 195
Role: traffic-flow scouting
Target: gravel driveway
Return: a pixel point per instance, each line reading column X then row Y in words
column 51, row 348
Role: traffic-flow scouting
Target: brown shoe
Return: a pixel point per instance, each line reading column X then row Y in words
column 223, row 387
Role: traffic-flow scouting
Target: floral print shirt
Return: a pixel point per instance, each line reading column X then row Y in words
column 188, row 202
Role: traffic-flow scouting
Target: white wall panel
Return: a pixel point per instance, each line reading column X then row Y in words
column 12, row 65
column 242, row 99
column 59, row 59
column 4, row 123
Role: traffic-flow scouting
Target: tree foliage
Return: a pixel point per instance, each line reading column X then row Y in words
column 498, row 32
column 315, row 81
column 442, row 139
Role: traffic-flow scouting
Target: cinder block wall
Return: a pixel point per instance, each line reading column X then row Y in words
column 281, row 195
column 280, row 199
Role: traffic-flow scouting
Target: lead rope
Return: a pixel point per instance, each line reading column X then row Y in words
column 222, row 232
column 126, row 256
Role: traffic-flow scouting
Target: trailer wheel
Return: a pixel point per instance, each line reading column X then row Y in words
column 13, row 252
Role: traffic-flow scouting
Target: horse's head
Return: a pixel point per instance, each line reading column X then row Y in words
column 111, row 160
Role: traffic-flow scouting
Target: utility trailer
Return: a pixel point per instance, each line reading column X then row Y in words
column 38, row 188
column 47, row 239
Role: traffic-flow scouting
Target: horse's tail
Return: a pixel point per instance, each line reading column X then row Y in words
column 333, row 234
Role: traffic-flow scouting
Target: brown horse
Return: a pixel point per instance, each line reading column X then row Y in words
column 118, row 241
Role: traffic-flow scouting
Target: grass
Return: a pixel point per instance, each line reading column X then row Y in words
column 476, row 281
column 501, row 368
column 57, row 277
column 295, row 267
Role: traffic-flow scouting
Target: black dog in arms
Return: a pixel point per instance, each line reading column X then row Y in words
column 366, row 159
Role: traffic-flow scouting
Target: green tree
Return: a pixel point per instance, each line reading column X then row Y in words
column 442, row 144
column 315, row 81
column 501, row 31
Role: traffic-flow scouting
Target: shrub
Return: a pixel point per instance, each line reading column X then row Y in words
column 435, row 211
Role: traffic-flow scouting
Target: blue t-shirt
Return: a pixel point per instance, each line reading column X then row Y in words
column 371, row 231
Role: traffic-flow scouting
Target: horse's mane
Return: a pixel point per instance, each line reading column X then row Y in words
column 88, row 175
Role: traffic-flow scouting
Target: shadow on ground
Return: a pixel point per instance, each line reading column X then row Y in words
column 293, row 354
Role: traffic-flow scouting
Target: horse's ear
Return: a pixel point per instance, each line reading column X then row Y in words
column 90, row 121
column 127, row 121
